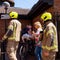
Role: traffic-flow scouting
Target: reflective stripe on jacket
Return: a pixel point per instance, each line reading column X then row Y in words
column 15, row 26
column 50, row 38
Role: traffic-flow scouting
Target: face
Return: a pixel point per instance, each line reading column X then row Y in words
column 29, row 26
column 30, row 31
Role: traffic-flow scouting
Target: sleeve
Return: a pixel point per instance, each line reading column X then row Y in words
column 26, row 36
column 50, row 38
column 9, row 31
column 10, row 26
column 23, row 36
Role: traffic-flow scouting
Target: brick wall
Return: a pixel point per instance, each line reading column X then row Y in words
column 2, row 28
column 57, row 5
column 25, row 22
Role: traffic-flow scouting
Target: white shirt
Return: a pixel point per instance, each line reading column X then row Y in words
column 26, row 36
column 38, row 30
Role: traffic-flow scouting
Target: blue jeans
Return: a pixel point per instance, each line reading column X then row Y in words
column 38, row 52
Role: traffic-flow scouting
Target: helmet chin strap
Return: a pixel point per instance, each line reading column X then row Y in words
column 47, row 22
column 12, row 15
column 45, row 17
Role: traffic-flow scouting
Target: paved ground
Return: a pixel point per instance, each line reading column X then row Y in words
column 28, row 58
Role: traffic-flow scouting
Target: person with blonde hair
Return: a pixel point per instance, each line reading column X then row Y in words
column 38, row 37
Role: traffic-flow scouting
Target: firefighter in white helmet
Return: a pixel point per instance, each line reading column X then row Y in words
column 13, row 35
column 49, row 42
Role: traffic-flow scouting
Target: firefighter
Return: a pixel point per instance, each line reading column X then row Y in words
column 49, row 42
column 13, row 36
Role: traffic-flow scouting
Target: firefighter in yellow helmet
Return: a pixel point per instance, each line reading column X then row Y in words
column 49, row 42
column 13, row 36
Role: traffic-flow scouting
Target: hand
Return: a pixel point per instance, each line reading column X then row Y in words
column 1, row 41
column 33, row 32
column 46, row 54
column 3, row 38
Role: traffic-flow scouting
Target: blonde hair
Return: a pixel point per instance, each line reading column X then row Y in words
column 38, row 24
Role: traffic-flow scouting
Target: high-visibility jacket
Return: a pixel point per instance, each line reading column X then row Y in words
column 15, row 27
column 50, row 41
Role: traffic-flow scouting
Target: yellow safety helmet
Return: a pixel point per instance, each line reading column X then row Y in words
column 13, row 14
column 46, row 16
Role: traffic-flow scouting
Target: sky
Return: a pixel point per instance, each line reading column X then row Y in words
column 26, row 4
